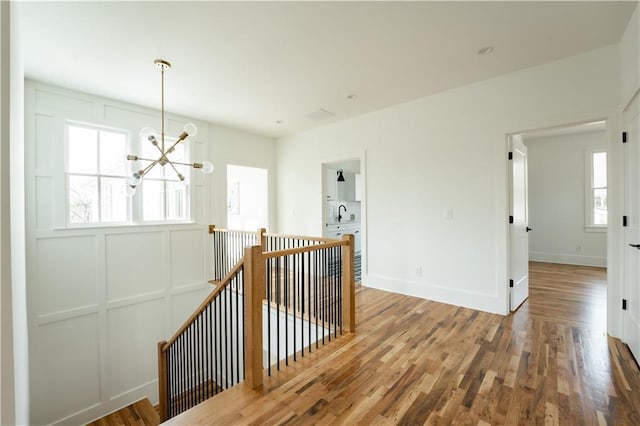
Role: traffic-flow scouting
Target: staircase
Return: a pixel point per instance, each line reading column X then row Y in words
column 140, row 413
column 275, row 302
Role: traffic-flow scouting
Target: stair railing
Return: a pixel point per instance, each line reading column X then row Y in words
column 302, row 286
column 205, row 356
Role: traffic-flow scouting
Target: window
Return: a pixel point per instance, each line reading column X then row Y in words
column 96, row 175
column 96, row 179
column 164, row 196
column 596, row 199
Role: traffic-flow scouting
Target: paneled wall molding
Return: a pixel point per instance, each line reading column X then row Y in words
column 101, row 297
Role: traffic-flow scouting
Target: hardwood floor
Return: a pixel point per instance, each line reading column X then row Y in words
column 140, row 413
column 414, row 361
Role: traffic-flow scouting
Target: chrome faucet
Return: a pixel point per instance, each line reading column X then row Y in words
column 339, row 215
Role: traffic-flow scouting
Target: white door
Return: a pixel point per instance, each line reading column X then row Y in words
column 519, row 228
column 631, row 317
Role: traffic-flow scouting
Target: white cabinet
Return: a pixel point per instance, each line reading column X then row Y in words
column 358, row 187
column 338, row 230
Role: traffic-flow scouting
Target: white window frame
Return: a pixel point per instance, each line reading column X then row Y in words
column 135, row 205
column 589, row 225
column 98, row 175
column 138, row 207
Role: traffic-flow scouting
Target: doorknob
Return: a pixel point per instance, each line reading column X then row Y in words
column 529, row 229
column 635, row 245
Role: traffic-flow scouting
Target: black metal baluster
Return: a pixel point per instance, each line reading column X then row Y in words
column 269, row 284
column 309, row 268
column 287, row 306
column 236, row 333
column 219, row 343
column 244, row 341
column 316, row 268
column 278, row 313
column 294, row 273
column 301, row 304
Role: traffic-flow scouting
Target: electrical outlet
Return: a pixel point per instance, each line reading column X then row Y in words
column 578, row 248
column 419, row 271
column 448, row 214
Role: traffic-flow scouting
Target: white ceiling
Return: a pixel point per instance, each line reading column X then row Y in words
column 249, row 64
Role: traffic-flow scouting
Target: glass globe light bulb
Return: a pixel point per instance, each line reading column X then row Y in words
column 128, row 190
column 146, row 132
column 191, row 129
column 207, row 167
column 134, row 179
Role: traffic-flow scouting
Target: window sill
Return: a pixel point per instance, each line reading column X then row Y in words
column 125, row 226
column 595, row 229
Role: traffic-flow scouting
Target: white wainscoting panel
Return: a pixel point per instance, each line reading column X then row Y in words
column 185, row 267
column 134, row 264
column 65, row 370
column 52, row 102
column 44, row 202
column 184, row 304
column 134, row 332
column 66, row 274
column 44, row 142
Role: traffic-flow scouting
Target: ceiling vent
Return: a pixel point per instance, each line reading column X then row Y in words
column 320, row 114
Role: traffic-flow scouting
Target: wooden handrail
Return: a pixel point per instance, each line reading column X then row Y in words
column 223, row 284
column 300, row 237
column 287, row 252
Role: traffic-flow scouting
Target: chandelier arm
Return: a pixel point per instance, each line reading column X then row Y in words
column 176, row 170
column 143, row 159
column 149, row 167
column 174, row 145
column 182, row 164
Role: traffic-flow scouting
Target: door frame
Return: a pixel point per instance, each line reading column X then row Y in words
column 610, row 141
column 362, row 157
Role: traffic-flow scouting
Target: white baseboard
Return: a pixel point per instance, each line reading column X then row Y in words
column 148, row 390
column 478, row 301
column 568, row 259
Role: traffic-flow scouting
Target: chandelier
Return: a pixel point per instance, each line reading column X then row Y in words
column 147, row 134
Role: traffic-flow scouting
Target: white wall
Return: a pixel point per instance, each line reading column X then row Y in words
column 446, row 151
column 18, row 226
column 557, row 171
column 7, row 393
column 101, row 298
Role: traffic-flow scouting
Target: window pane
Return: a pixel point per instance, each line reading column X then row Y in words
column 176, row 201
column 112, row 153
column 153, row 199
column 599, row 169
column 177, row 155
column 113, row 202
column 83, row 199
column 82, row 150
column 600, row 206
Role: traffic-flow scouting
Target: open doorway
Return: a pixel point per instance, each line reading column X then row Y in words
column 566, row 212
column 343, row 203
column 247, row 198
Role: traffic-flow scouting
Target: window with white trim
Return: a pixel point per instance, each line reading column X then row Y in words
column 164, row 196
column 96, row 172
column 95, row 175
column 596, row 197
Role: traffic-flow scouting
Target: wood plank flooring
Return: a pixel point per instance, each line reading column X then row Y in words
column 414, row 361
column 140, row 413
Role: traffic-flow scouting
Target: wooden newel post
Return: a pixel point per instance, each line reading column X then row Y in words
column 262, row 239
column 348, row 285
column 162, row 382
column 254, row 292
